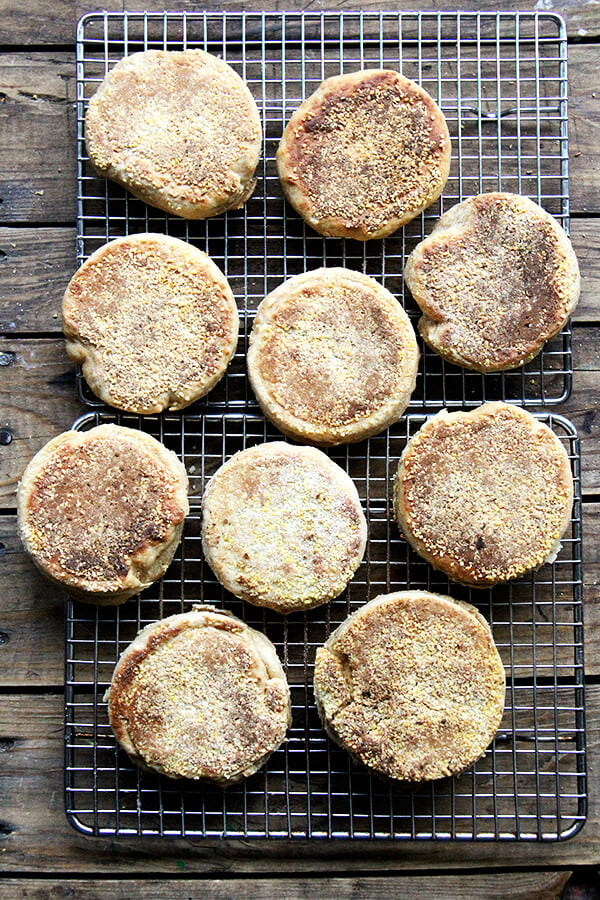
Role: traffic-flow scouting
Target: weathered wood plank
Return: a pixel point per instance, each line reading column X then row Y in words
column 35, row 267
column 37, row 135
column 584, row 128
column 36, row 23
column 36, row 264
column 37, row 401
column 36, row 838
column 513, row 886
column 32, row 619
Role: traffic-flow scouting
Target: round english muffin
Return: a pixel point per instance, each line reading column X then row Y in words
column 495, row 279
column 484, row 495
column 179, row 129
column 366, row 153
column 101, row 512
column 200, row 695
column 153, row 322
column 411, row 685
column 282, row 526
column 332, row 357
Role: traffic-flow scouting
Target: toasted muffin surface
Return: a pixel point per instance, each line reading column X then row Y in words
column 200, row 695
column 153, row 322
column 484, row 495
column 179, row 129
column 411, row 685
column 282, row 526
column 101, row 511
column 495, row 279
column 332, row 357
column 364, row 154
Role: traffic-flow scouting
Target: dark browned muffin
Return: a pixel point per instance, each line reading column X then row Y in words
column 332, row 357
column 365, row 154
column 101, row 511
column 412, row 685
column 495, row 279
column 200, row 695
column 484, row 495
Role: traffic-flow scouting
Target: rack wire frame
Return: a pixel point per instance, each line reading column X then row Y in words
column 531, row 785
column 501, row 81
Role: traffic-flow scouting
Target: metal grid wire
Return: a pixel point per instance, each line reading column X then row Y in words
column 501, row 81
column 529, row 786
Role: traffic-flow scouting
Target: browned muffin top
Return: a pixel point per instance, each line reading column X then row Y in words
column 153, row 322
column 365, row 154
column 332, row 356
column 200, row 695
column 97, row 507
column 411, row 685
column 495, row 279
column 484, row 495
column 180, row 129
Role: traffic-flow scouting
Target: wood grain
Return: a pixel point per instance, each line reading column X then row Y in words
column 36, row 838
column 37, row 137
column 37, row 401
column 37, row 122
column 513, row 886
column 35, row 267
column 39, row 23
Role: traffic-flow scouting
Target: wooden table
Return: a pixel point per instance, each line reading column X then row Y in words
column 40, row 854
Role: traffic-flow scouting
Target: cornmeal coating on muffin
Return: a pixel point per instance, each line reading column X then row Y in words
column 153, row 322
column 366, row 153
column 485, row 495
column 332, row 357
column 411, row 685
column 101, row 512
column 282, row 526
column 179, row 129
column 200, row 695
column 496, row 278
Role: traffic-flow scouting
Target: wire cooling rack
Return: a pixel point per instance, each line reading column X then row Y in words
column 501, row 81
column 529, row 786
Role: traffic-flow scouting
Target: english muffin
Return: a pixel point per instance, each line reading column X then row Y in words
column 411, row 685
column 485, row 495
column 495, row 279
column 366, row 153
column 101, row 511
column 179, row 129
column 153, row 322
column 200, row 695
column 282, row 526
column 333, row 357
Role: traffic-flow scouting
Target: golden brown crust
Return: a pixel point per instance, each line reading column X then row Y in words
column 411, row 685
column 365, row 154
column 179, row 129
column 495, row 279
column 101, row 511
column 333, row 357
column 485, row 495
column 200, row 695
column 153, row 322
column 282, row 526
